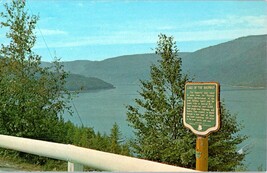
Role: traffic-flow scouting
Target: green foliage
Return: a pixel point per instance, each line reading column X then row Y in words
column 88, row 138
column 116, row 144
column 157, row 118
column 223, row 144
column 115, row 139
column 32, row 98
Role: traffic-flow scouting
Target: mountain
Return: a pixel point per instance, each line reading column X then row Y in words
column 118, row 71
column 238, row 62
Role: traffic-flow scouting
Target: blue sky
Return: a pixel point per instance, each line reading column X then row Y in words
column 96, row 30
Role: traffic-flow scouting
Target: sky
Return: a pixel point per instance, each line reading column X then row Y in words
column 97, row 30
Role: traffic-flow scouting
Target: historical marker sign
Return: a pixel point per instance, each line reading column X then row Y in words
column 201, row 107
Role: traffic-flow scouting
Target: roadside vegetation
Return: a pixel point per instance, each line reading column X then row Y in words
column 78, row 136
column 33, row 99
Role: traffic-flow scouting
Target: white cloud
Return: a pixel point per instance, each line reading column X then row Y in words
column 216, row 34
column 234, row 21
column 227, row 28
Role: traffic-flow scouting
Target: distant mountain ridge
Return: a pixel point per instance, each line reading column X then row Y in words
column 239, row 62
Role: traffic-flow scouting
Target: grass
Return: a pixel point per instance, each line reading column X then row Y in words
column 17, row 164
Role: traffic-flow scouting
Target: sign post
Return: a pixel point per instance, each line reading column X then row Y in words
column 202, row 153
column 202, row 116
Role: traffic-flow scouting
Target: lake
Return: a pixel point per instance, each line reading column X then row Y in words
column 101, row 109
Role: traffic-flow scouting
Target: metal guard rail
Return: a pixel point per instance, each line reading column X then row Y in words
column 88, row 157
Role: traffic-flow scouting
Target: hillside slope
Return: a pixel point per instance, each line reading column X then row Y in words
column 238, row 62
column 77, row 82
column 117, row 71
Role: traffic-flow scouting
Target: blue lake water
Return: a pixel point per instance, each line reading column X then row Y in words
column 101, row 109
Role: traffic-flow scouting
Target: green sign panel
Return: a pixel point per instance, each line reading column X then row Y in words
column 201, row 107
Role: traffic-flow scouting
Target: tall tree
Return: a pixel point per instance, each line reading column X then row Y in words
column 116, row 144
column 157, row 118
column 32, row 98
column 115, row 139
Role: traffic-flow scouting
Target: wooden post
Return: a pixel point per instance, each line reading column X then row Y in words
column 202, row 153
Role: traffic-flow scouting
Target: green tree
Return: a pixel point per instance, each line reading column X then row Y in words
column 117, row 145
column 157, row 118
column 32, row 98
column 100, row 142
column 115, row 139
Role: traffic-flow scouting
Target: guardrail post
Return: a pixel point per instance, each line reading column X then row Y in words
column 73, row 167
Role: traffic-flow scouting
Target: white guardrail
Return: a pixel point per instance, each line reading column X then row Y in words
column 78, row 156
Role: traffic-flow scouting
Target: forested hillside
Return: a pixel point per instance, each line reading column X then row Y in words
column 238, row 62
column 77, row 82
column 119, row 70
